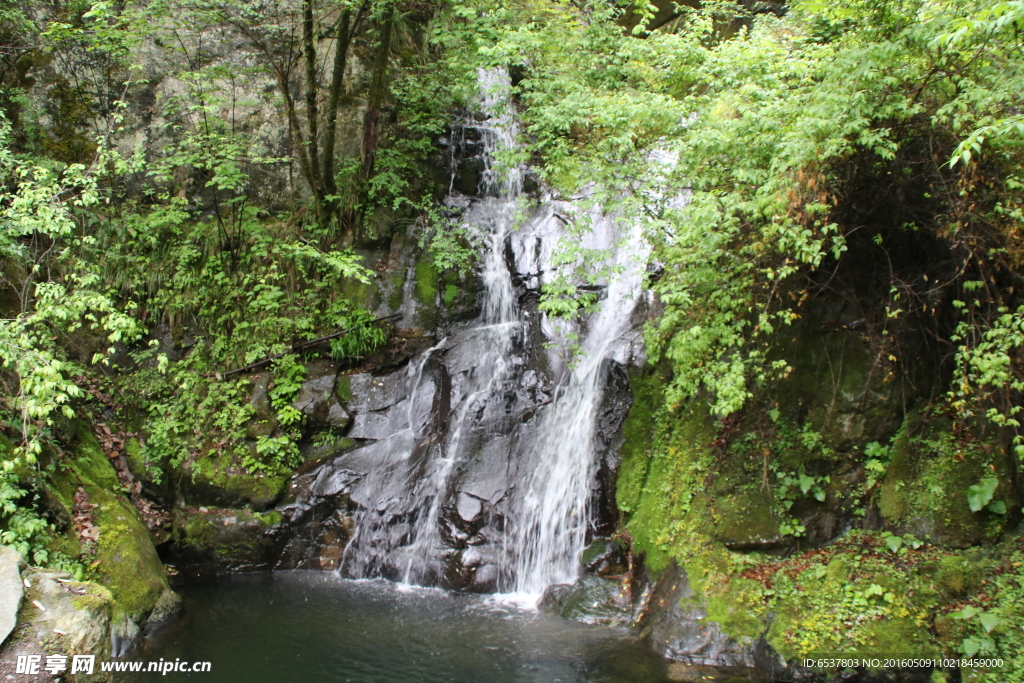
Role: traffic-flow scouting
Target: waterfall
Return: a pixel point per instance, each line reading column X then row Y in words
column 402, row 490
column 556, row 512
column 474, row 464
column 501, row 186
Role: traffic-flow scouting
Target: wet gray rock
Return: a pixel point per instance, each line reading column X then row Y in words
column 469, row 507
column 591, row 600
column 603, row 557
column 404, row 422
column 371, row 393
column 318, row 400
column 61, row 616
column 486, row 476
column 608, row 441
column 316, row 523
column 383, row 405
column 11, row 589
column 683, row 633
column 441, row 445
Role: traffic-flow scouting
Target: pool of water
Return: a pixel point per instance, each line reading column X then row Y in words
column 314, row 626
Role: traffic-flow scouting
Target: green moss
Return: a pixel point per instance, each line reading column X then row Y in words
column 851, row 602
column 837, row 570
column 363, row 293
column 343, row 389
column 426, row 292
column 133, row 453
column 95, row 597
column 199, row 532
column 396, row 286
column 216, row 480
column 451, row 292
column 55, row 643
column 959, row 575
column 225, row 538
column 689, row 485
column 427, row 278
column 676, row 466
column 739, row 609
column 269, row 518
column 924, row 491
column 638, row 434
column 90, row 462
column 745, row 517
column 126, row 561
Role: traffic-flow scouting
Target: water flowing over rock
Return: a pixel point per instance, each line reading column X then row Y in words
column 486, row 462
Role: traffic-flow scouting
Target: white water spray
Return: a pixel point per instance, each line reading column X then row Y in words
column 556, row 510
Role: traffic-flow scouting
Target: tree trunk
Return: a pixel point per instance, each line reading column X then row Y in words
column 347, row 28
column 312, row 113
column 378, row 89
column 351, row 216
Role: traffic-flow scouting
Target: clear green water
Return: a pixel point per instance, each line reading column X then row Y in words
column 313, row 626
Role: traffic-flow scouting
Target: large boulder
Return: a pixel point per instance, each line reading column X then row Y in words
column 220, row 541
column 64, row 617
column 11, row 589
column 591, row 600
column 317, row 399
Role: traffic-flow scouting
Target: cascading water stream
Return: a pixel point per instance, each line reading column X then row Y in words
column 556, row 511
column 501, row 187
column 475, row 468
column 494, row 216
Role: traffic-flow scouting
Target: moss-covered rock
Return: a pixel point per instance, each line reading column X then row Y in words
column 125, row 560
column 264, row 419
column 745, row 517
column 924, row 492
column 850, row 602
column 216, row 479
column 658, row 484
column 218, row 541
column 638, row 434
column 61, row 616
column 427, row 293
column 706, row 502
column 591, row 600
column 841, row 385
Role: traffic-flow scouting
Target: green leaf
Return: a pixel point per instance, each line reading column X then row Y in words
column 997, row 506
column 806, row 483
column 966, row 612
column 981, row 493
column 894, row 543
column 988, row 621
